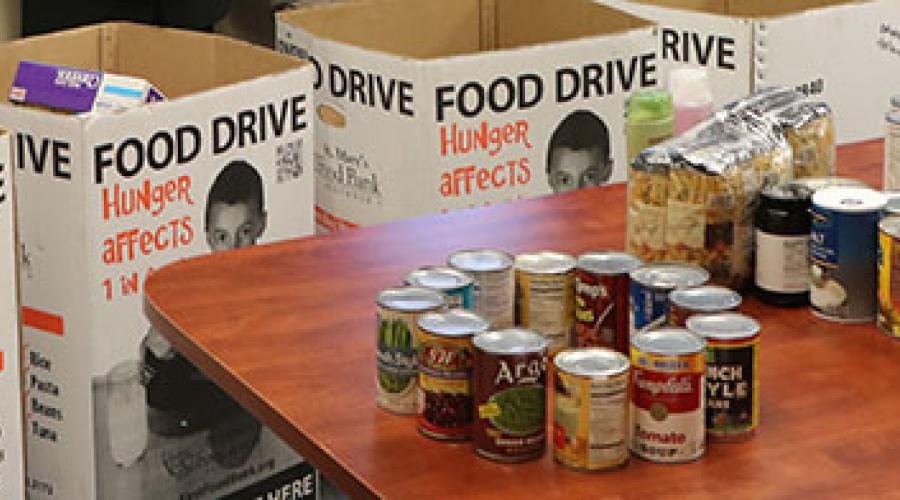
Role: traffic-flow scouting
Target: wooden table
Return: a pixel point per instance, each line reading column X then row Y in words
column 289, row 330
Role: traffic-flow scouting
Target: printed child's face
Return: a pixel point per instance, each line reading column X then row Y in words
column 572, row 169
column 234, row 226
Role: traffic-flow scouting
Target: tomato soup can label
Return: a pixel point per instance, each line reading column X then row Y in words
column 602, row 299
column 889, row 276
column 396, row 367
column 510, row 395
column 545, row 284
column 667, row 397
column 590, row 410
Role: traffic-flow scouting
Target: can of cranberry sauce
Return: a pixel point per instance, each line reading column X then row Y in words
column 495, row 283
column 601, row 299
column 445, row 369
column 732, row 374
column 397, row 373
column 667, row 395
column 457, row 287
column 707, row 299
column 509, row 386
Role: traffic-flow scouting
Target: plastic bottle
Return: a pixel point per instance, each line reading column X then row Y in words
column 691, row 97
column 649, row 120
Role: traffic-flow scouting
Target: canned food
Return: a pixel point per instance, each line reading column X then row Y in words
column 457, row 287
column 590, row 416
column 398, row 310
column 650, row 288
column 445, row 371
column 495, row 284
column 509, row 377
column 601, row 299
column 667, row 395
column 707, row 299
column 889, row 276
column 843, row 247
column 732, row 374
column 545, row 283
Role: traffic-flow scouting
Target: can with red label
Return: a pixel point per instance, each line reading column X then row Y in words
column 707, row 299
column 667, row 395
column 601, row 299
column 444, row 409
column 509, row 385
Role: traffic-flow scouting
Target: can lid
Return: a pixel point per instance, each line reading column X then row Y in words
column 893, row 117
column 608, row 262
column 545, row 262
column 481, row 260
column 511, row 341
column 591, row 362
column 814, row 184
column 724, row 326
column 671, row 341
column 455, row 323
column 670, row 275
column 438, row 278
column 410, row 299
column 850, row 199
column 709, row 298
column 890, row 226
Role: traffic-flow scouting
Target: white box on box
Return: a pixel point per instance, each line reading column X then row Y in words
column 843, row 52
column 113, row 410
column 425, row 106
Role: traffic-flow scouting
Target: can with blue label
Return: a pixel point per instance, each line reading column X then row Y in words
column 651, row 285
column 458, row 287
column 843, row 253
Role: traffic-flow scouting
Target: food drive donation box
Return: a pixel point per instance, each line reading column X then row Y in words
column 843, row 52
column 104, row 199
column 424, row 106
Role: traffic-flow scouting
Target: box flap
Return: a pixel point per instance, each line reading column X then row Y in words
column 749, row 8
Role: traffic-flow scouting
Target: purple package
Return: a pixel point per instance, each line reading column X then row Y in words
column 55, row 87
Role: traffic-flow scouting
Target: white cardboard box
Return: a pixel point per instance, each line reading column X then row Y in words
column 12, row 465
column 112, row 412
column 843, row 52
column 398, row 80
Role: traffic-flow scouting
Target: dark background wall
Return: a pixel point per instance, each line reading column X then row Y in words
column 41, row 16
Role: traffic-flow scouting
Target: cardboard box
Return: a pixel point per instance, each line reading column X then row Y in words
column 425, row 106
column 12, row 465
column 843, row 52
column 112, row 410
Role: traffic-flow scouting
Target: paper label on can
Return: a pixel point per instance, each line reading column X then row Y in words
column 732, row 386
column 396, row 362
column 888, row 284
column 782, row 262
column 649, row 307
column 495, row 297
column 601, row 311
column 547, row 305
column 444, row 405
column 824, row 237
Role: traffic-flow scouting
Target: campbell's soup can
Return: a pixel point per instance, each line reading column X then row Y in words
column 843, row 249
column 732, row 374
column 457, row 287
column 707, row 299
column 509, row 385
column 545, row 291
column 667, row 395
column 445, row 372
column 651, row 285
column 601, row 299
column 889, row 276
column 398, row 310
column 495, row 283
column 590, row 409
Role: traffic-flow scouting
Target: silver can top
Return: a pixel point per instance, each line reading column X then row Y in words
column 592, row 362
column 725, row 326
column 708, row 298
column 511, row 341
column 455, row 323
column 670, row 275
column 545, row 262
column 668, row 341
column 410, row 299
column 481, row 260
column 608, row 263
column 445, row 279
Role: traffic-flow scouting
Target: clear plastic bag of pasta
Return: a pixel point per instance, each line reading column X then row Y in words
column 648, row 180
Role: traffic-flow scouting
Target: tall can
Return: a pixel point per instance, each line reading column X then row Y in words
column 495, row 283
column 398, row 310
column 590, row 409
column 651, row 285
column 509, row 386
column 843, row 249
column 601, row 299
column 545, row 293
column 707, row 299
column 782, row 226
column 889, row 276
column 667, row 395
column 732, row 374
column 445, row 371
column 458, row 288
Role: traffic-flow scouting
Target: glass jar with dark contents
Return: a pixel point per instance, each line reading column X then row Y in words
column 782, row 225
